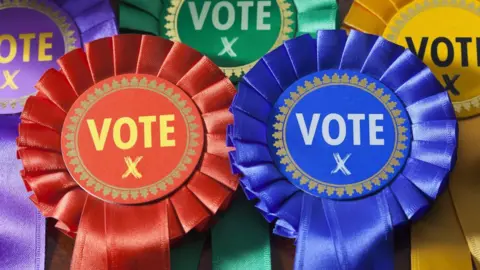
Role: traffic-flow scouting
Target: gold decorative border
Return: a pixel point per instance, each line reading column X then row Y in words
column 287, row 17
column 84, row 175
column 54, row 15
column 304, row 179
column 409, row 12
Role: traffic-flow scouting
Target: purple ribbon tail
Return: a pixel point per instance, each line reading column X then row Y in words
column 22, row 227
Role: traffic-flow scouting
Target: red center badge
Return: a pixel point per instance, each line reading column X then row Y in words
column 132, row 139
column 128, row 141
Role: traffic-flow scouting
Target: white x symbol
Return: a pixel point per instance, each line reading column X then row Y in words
column 341, row 164
column 227, row 47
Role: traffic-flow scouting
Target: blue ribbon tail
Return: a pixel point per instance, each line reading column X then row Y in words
column 345, row 235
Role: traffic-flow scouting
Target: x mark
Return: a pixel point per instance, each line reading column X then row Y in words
column 450, row 83
column 132, row 167
column 341, row 164
column 227, row 47
column 9, row 80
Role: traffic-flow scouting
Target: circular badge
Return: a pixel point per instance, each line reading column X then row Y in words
column 438, row 32
column 29, row 47
column 132, row 139
column 233, row 33
column 339, row 134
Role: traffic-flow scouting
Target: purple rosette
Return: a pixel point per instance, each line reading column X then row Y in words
column 307, row 184
column 33, row 35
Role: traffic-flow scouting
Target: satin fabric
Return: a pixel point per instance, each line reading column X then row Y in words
column 449, row 235
column 22, row 243
column 316, row 14
column 22, row 227
column 111, row 236
column 365, row 245
column 249, row 250
column 344, row 234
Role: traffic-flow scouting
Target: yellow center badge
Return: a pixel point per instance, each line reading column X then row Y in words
column 440, row 32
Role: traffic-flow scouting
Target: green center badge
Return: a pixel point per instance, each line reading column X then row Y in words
column 234, row 34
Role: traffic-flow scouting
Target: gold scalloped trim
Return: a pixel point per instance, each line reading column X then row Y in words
column 409, row 13
column 322, row 187
column 60, row 21
column 84, row 175
column 287, row 20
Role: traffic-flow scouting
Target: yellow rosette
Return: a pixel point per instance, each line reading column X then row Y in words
column 444, row 34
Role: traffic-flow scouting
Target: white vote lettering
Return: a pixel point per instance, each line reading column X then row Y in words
column 374, row 129
column 221, row 7
column 342, row 129
column 308, row 131
column 199, row 20
column 216, row 15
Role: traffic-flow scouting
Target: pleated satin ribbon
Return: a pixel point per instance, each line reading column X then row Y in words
column 145, row 15
column 22, row 227
column 343, row 234
column 313, row 15
column 125, row 236
column 450, row 234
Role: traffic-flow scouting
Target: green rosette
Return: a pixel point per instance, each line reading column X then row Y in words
column 233, row 33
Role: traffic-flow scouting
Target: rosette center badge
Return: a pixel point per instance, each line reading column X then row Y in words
column 28, row 49
column 352, row 126
column 115, row 154
column 230, row 28
column 438, row 32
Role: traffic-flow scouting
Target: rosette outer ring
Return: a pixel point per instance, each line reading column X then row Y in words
column 427, row 107
column 189, row 203
column 77, row 22
column 419, row 26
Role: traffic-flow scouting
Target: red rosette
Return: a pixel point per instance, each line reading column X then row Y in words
column 125, row 147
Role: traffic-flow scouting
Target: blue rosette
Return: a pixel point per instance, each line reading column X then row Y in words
column 340, row 140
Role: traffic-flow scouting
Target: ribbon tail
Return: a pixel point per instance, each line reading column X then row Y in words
column 22, row 229
column 130, row 246
column 90, row 246
column 349, row 235
column 465, row 199
column 232, row 250
column 188, row 254
column 464, row 186
column 437, row 240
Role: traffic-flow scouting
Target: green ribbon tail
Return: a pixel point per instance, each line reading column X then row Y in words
column 314, row 15
column 241, row 239
column 187, row 255
column 140, row 16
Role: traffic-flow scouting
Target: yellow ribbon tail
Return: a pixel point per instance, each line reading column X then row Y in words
column 465, row 184
column 466, row 199
column 437, row 241
column 449, row 235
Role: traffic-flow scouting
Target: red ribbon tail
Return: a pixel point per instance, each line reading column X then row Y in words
column 137, row 236
column 90, row 245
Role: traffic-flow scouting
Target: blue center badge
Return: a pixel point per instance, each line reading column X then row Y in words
column 339, row 134
column 340, row 140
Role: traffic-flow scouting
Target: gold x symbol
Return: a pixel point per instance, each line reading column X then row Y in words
column 9, row 79
column 132, row 167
